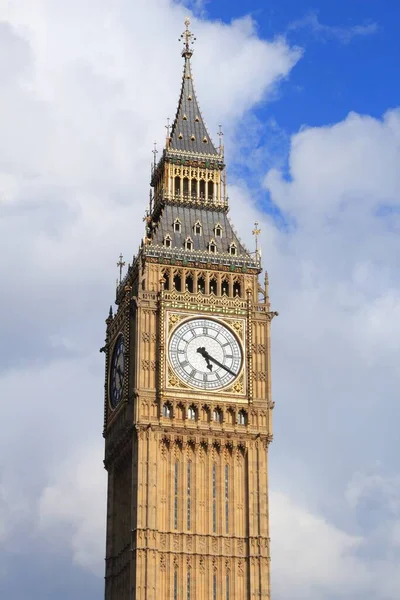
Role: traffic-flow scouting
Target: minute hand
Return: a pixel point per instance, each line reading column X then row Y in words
column 214, row 360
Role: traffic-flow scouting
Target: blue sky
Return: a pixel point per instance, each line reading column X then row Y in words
column 308, row 98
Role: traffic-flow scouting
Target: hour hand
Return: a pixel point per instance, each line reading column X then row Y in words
column 206, row 356
column 219, row 364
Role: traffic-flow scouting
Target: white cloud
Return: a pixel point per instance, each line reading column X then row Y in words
column 343, row 34
column 73, row 504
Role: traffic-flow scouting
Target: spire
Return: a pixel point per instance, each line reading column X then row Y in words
column 189, row 133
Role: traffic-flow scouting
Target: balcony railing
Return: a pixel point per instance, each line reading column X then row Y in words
column 200, row 201
column 218, row 258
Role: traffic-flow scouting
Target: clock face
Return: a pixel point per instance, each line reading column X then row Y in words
column 117, row 372
column 205, row 354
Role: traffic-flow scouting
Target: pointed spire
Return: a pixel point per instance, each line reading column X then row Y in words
column 188, row 132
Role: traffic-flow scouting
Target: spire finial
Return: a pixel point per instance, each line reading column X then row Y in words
column 220, row 135
column 155, row 152
column 120, row 264
column 256, row 232
column 188, row 40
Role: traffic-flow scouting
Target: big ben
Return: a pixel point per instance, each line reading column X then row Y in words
column 187, row 413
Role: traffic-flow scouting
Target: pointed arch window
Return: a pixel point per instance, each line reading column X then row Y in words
column 218, row 230
column 167, row 241
column 189, row 286
column 192, row 413
column 242, row 417
column 212, row 247
column 201, row 285
column 167, row 410
column 177, row 225
column 202, row 188
column 232, row 249
column 188, row 243
column 197, row 228
column 217, row 415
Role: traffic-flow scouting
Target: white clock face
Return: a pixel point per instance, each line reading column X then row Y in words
column 205, row 354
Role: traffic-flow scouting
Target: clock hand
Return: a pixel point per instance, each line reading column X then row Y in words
column 206, row 356
column 221, row 365
column 120, row 375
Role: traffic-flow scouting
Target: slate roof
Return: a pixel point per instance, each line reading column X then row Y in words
column 189, row 133
column 188, row 216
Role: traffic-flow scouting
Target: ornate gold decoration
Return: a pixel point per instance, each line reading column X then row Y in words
column 173, row 319
column 174, row 381
column 238, row 326
column 237, row 387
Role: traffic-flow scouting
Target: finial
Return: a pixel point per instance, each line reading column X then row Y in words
column 167, row 127
column 155, row 152
column 256, row 232
column 188, row 40
column 220, row 135
column 110, row 314
column 120, row 264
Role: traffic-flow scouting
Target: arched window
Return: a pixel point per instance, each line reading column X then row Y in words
column 185, row 186
column 201, row 285
column 167, row 410
column 189, row 286
column 192, row 413
column 212, row 247
column 167, row 241
column 232, row 249
column 213, row 285
column 242, row 417
column 202, row 188
column 217, row 415
column 194, row 188
column 218, row 230
column 210, row 190
column 166, row 280
column 177, row 186
column 177, row 225
column 197, row 228
column 225, row 287
column 178, row 283
column 188, row 244
column 236, row 289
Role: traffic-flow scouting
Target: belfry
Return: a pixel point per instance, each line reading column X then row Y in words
column 187, row 413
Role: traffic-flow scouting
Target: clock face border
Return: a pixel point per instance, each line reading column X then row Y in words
column 236, row 326
column 118, row 342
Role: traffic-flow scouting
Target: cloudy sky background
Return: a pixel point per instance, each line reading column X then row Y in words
column 312, row 137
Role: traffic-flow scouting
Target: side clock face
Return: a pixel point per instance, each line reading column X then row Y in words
column 205, row 354
column 117, row 372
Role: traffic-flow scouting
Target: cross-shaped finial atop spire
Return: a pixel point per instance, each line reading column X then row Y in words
column 256, row 232
column 188, row 40
column 120, row 264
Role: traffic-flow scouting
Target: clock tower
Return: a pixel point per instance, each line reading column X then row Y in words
column 187, row 413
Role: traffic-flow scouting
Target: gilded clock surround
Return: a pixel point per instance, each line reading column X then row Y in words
column 238, row 329
column 187, row 500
